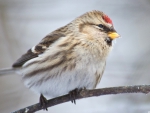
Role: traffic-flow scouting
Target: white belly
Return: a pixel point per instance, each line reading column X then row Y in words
column 55, row 82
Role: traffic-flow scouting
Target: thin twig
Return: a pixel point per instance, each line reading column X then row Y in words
column 88, row 93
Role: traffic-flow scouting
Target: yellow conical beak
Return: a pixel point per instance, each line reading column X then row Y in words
column 113, row 35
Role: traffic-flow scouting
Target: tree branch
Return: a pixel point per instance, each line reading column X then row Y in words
column 88, row 93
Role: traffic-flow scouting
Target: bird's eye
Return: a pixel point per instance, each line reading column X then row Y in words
column 101, row 26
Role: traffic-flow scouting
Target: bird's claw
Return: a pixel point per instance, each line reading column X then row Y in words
column 43, row 102
column 73, row 95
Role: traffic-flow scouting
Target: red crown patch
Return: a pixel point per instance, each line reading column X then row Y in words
column 107, row 19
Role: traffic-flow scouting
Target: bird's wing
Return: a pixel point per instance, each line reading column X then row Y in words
column 38, row 49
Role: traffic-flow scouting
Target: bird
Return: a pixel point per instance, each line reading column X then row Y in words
column 69, row 58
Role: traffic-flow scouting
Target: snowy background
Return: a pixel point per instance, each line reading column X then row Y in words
column 23, row 23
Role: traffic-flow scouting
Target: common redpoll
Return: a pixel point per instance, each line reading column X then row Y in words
column 71, row 57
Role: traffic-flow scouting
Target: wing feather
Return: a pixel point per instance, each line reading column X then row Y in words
column 38, row 49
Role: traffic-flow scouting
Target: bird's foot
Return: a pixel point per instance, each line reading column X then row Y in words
column 73, row 95
column 43, row 102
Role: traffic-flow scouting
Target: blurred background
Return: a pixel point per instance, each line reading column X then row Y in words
column 23, row 23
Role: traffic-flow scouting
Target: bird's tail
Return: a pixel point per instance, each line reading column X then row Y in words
column 7, row 71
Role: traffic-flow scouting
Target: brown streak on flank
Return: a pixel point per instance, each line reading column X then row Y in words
column 50, row 77
column 69, row 58
column 72, row 66
column 64, row 68
column 98, row 76
column 64, row 52
column 60, row 53
column 47, row 58
column 31, row 84
column 58, row 63
column 48, row 68
column 38, row 83
column 65, row 56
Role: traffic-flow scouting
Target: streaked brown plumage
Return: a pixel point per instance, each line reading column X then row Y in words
column 73, row 56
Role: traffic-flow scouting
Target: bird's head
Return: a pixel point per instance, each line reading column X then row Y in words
column 97, row 25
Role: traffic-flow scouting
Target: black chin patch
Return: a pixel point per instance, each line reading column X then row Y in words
column 108, row 41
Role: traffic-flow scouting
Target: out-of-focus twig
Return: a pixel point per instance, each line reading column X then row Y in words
column 88, row 93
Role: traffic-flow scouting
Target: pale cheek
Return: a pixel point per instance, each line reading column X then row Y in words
column 100, row 34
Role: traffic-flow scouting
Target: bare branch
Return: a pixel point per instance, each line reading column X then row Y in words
column 88, row 93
